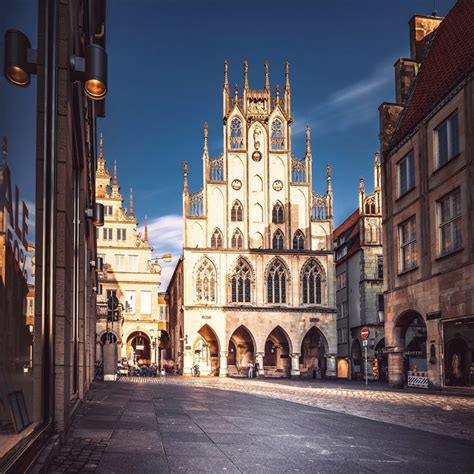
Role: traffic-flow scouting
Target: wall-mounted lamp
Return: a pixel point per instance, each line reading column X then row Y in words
column 96, row 214
column 20, row 61
column 91, row 70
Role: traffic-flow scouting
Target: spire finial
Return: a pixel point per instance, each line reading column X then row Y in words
column 115, row 173
column 377, row 173
column 131, row 214
column 236, row 94
column 185, row 176
column 329, row 179
column 267, row 80
column 277, row 94
column 100, row 143
column 206, row 149
column 100, row 160
column 287, row 76
column 226, row 76
column 361, row 184
column 145, row 237
column 4, row 150
column 376, row 158
column 308, row 142
column 246, row 75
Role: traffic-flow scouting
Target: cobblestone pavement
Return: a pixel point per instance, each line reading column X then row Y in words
column 211, row 425
column 451, row 415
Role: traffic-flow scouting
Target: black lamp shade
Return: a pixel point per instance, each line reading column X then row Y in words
column 95, row 83
column 98, row 214
column 15, row 67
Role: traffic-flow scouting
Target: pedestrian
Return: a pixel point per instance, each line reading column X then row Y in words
column 250, row 370
column 257, row 368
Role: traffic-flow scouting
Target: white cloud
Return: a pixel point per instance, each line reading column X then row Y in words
column 165, row 234
column 351, row 105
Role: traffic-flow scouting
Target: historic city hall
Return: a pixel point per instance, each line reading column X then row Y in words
column 258, row 269
column 268, row 315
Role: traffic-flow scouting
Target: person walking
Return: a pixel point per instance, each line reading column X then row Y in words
column 257, row 368
column 250, row 370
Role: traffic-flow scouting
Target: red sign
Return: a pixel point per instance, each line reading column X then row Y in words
column 364, row 333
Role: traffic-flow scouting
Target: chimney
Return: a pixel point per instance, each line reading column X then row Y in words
column 421, row 30
column 405, row 74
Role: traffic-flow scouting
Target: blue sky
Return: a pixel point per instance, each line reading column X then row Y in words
column 165, row 80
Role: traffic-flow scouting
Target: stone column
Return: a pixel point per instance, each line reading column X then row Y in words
column 295, row 364
column 395, row 369
column 223, row 364
column 188, row 362
column 331, row 372
column 259, row 359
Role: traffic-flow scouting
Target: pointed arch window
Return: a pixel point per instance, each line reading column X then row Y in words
column 298, row 240
column 277, row 137
column 216, row 239
column 205, row 281
column 236, row 135
column 236, row 213
column 278, row 213
column 241, row 282
column 278, row 240
column 237, row 239
column 311, row 282
column 370, row 206
column 277, row 278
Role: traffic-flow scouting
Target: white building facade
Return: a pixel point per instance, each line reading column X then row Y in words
column 258, row 261
column 132, row 275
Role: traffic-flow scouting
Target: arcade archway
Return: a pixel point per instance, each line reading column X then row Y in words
column 277, row 361
column 139, row 348
column 241, row 351
column 206, row 351
column 313, row 350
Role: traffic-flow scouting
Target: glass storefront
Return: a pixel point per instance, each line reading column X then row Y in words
column 20, row 295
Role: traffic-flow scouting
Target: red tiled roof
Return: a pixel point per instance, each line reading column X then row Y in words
column 352, row 219
column 449, row 59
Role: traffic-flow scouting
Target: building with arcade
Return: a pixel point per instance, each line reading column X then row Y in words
column 256, row 281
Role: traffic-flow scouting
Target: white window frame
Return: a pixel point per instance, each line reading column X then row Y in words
column 145, row 302
column 130, row 301
column 133, row 259
column 119, row 262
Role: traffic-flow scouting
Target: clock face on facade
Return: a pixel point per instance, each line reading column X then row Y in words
column 236, row 184
column 256, row 156
column 277, row 185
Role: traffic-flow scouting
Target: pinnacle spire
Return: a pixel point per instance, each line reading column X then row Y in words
column 287, row 90
column 206, row 148
column 145, row 237
column 101, row 160
column 115, row 173
column 236, row 94
column 131, row 214
column 246, row 75
column 267, row 80
column 185, row 176
column 277, row 94
column 308, row 142
column 226, row 76
column 377, row 173
column 329, row 179
column 361, row 185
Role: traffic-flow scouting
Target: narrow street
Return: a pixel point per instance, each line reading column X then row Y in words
column 212, row 425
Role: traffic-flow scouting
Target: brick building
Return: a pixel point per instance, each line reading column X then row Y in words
column 359, row 284
column 427, row 142
column 47, row 234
